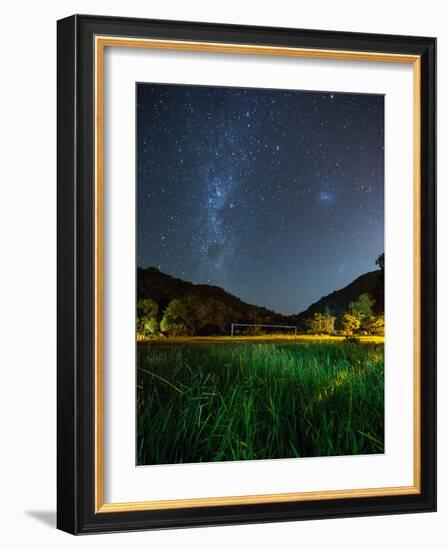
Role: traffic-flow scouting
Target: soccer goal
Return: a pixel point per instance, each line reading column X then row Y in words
column 271, row 328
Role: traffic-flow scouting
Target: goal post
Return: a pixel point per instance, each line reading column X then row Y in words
column 287, row 327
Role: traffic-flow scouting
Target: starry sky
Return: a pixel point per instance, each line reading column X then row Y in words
column 275, row 195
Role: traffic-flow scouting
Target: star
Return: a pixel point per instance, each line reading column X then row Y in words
column 253, row 189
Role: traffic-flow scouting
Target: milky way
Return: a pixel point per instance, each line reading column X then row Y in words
column 276, row 196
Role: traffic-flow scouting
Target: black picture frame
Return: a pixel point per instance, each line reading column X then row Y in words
column 76, row 511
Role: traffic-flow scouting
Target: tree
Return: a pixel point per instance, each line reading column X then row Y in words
column 350, row 322
column 315, row 323
column 379, row 289
column 221, row 317
column 321, row 323
column 363, row 306
column 199, row 313
column 147, row 317
column 375, row 325
column 147, row 307
column 175, row 318
column 380, row 261
column 149, row 326
column 329, row 321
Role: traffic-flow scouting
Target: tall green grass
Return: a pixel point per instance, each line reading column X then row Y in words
column 204, row 403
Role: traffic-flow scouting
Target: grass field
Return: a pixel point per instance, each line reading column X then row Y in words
column 204, row 401
column 262, row 339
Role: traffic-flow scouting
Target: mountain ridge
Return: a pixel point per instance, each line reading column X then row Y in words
column 162, row 288
column 339, row 300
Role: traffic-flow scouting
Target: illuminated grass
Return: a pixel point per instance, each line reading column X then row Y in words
column 268, row 338
column 214, row 402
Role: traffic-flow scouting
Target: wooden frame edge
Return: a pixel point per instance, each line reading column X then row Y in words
column 255, row 499
column 100, row 507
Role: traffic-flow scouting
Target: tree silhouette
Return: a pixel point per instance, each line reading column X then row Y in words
column 379, row 289
column 380, row 261
column 147, row 317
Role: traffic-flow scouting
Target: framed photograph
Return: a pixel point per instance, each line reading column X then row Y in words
column 246, row 274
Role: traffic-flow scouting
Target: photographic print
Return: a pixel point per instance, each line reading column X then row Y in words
column 224, row 213
column 260, row 274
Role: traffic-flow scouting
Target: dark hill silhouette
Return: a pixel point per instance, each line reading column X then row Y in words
column 339, row 300
column 162, row 288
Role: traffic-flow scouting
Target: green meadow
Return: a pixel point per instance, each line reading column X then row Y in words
column 205, row 402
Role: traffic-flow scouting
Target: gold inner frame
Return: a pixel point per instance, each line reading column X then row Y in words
column 101, row 42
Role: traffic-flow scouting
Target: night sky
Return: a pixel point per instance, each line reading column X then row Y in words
column 276, row 196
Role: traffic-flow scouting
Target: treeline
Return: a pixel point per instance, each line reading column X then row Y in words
column 173, row 307
column 191, row 315
column 358, row 319
column 363, row 316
